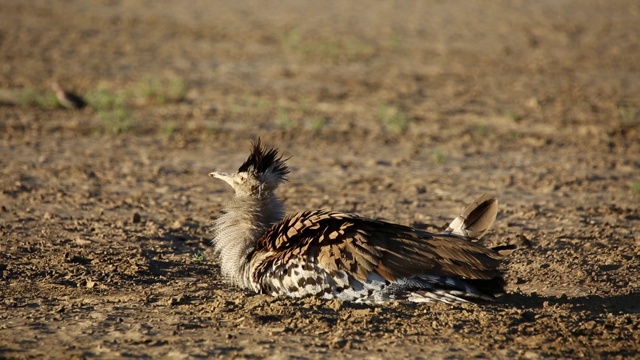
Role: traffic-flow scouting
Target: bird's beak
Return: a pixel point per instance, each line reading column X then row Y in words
column 228, row 178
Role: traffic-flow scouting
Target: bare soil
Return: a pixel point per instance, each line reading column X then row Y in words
column 397, row 110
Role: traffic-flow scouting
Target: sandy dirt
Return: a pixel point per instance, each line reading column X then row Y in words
column 403, row 111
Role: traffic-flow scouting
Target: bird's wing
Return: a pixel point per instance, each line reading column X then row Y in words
column 476, row 219
column 339, row 242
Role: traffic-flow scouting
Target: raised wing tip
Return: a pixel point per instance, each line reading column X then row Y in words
column 476, row 219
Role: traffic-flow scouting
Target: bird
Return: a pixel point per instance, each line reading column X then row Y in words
column 337, row 255
column 66, row 98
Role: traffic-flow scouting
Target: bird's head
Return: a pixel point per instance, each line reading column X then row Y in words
column 259, row 175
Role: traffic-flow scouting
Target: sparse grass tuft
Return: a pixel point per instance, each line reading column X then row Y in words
column 438, row 157
column 283, row 119
column 628, row 116
column 396, row 41
column 358, row 50
column 635, row 187
column 393, row 119
column 161, row 92
column 483, row 130
column 176, row 90
column 512, row 115
column 250, row 104
column 112, row 108
column 117, row 120
column 34, row 98
column 168, row 129
column 102, row 99
column 336, row 50
column 290, row 40
column 317, row 124
column 150, row 91
column 198, row 257
column 211, row 130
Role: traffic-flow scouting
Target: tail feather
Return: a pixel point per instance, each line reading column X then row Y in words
column 476, row 219
column 428, row 288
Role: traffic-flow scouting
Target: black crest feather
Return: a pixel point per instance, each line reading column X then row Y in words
column 262, row 158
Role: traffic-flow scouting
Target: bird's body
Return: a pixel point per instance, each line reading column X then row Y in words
column 335, row 255
column 68, row 99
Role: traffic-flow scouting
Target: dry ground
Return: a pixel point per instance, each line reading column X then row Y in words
column 396, row 110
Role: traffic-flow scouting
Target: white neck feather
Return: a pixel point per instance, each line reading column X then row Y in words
column 244, row 221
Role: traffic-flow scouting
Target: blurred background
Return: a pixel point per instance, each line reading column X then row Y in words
column 399, row 66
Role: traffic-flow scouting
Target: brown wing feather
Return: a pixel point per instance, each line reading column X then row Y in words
column 358, row 245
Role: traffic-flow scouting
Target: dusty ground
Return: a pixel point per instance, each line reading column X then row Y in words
column 397, row 110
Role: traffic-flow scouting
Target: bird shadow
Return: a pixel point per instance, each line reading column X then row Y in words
column 625, row 304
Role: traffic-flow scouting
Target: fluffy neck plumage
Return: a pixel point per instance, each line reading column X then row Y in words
column 244, row 221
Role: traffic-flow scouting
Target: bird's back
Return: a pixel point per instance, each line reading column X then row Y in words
column 347, row 257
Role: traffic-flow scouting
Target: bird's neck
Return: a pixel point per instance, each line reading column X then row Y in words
column 244, row 221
